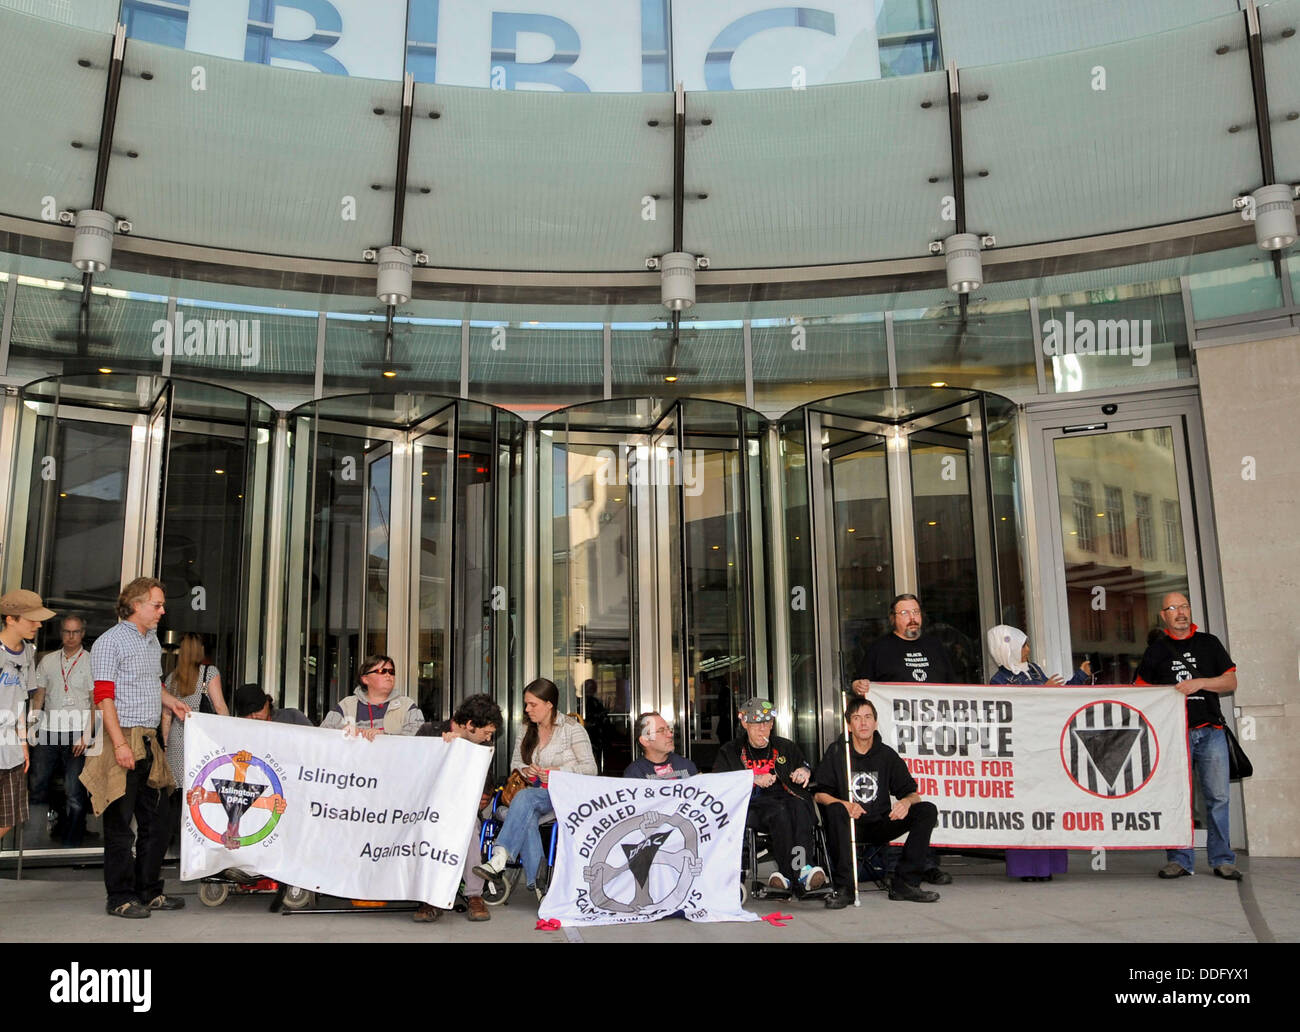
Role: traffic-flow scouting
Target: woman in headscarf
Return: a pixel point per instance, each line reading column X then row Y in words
column 1009, row 647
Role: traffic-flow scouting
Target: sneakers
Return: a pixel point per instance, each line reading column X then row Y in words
column 1177, row 870
column 132, row 910
column 494, row 869
column 812, row 878
column 426, row 913
column 937, row 876
column 1227, row 871
column 476, row 909
column 167, row 903
column 777, row 880
column 899, row 890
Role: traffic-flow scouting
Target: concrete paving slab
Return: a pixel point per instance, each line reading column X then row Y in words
column 1125, row 903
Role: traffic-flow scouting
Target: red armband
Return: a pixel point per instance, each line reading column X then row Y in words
column 104, row 690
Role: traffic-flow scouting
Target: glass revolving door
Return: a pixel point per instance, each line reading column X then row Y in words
column 897, row 491
column 404, row 540
column 124, row 476
column 651, row 514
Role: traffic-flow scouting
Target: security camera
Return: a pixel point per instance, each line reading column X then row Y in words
column 1109, row 410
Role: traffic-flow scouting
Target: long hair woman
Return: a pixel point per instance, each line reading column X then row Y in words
column 551, row 741
column 192, row 679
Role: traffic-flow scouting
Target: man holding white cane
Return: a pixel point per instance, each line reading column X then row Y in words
column 854, row 782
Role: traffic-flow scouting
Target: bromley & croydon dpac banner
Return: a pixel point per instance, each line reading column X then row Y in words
column 632, row 850
column 389, row 819
column 1009, row 766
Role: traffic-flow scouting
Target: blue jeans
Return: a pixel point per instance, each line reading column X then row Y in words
column 46, row 759
column 1209, row 749
column 520, row 836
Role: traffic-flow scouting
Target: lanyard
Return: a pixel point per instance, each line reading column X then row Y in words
column 68, row 671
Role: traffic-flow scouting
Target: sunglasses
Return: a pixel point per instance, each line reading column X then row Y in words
column 382, row 670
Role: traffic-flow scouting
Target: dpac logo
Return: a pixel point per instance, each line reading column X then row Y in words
column 1109, row 749
column 239, row 796
column 653, row 874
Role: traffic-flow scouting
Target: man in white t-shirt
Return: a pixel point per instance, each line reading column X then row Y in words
column 64, row 701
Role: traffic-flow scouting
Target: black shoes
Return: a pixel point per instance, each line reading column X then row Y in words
column 131, row 910
column 167, row 903
column 839, row 899
column 900, row 891
column 937, row 876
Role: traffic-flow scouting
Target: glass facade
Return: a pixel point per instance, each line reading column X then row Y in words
column 532, row 467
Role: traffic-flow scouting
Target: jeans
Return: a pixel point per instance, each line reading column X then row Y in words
column 46, row 759
column 520, row 836
column 1209, row 749
column 138, row 878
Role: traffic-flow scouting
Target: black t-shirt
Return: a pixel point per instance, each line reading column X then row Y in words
column 1169, row 660
column 892, row 658
column 672, row 768
column 877, row 775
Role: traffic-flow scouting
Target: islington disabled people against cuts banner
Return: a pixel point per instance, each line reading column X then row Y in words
column 389, row 819
column 634, row 850
column 1100, row 765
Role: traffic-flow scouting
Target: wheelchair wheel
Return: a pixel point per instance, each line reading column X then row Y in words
column 213, row 894
column 744, row 893
column 496, row 893
column 297, row 899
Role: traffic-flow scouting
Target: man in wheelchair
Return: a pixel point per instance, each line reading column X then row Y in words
column 780, row 804
column 878, row 773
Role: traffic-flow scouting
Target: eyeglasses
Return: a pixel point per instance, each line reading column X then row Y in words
column 387, row 670
column 157, row 605
column 1177, row 609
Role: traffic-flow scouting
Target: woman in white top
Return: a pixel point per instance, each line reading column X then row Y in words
column 551, row 742
column 190, row 681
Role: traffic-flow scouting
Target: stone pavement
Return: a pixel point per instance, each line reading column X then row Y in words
column 1125, row 903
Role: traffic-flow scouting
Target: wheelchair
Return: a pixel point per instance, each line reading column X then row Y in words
column 756, row 851
column 495, row 895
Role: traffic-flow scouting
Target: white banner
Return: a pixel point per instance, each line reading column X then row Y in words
column 1078, row 767
column 640, row 850
column 389, row 819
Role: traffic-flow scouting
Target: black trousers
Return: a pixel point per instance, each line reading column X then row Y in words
column 136, row 878
column 788, row 821
column 916, row 858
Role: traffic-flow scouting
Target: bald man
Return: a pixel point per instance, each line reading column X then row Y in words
column 1197, row 664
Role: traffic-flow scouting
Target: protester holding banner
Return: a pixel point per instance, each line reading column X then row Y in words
column 477, row 720
column 907, row 655
column 1009, row 648
column 1200, row 668
column 659, row 762
column 551, row 741
column 878, row 773
column 780, row 804
column 375, row 708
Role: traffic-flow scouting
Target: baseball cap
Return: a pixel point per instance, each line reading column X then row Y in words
column 757, row 711
column 26, row 604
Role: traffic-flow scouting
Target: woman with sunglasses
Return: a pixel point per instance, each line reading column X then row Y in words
column 374, row 707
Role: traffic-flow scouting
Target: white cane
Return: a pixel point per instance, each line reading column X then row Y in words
column 853, row 824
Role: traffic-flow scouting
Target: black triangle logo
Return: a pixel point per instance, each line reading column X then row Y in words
column 237, row 796
column 642, row 855
column 1109, row 748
